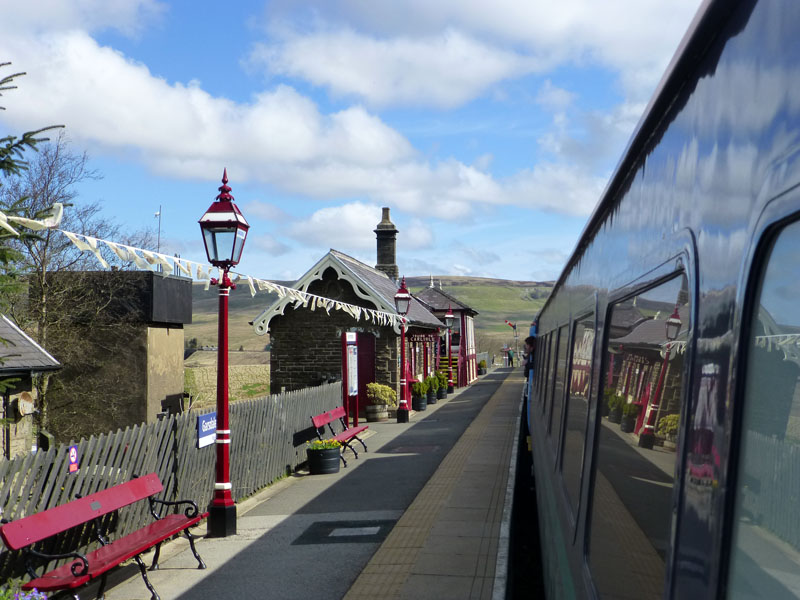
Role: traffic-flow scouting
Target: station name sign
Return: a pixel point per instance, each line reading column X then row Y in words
column 206, row 429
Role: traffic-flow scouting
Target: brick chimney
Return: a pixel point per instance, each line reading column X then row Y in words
column 386, row 233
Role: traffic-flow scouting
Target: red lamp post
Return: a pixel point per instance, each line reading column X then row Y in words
column 402, row 302
column 224, row 232
column 673, row 327
column 448, row 320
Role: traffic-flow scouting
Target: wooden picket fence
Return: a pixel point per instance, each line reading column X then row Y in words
column 267, row 442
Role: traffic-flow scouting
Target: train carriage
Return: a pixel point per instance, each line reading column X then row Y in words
column 664, row 409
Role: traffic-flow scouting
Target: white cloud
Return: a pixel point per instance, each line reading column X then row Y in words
column 345, row 227
column 554, row 98
column 568, row 31
column 443, row 70
column 126, row 16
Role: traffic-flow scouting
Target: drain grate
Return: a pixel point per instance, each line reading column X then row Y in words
column 345, row 532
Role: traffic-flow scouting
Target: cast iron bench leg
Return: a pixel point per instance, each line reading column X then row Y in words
column 149, row 585
column 201, row 564
column 154, row 565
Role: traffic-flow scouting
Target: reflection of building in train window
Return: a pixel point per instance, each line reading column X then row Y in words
column 631, row 505
column 765, row 553
column 577, row 407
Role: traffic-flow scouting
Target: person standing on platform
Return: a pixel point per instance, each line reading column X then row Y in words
column 510, row 358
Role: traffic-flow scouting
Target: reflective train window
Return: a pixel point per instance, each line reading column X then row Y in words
column 549, row 379
column 639, row 424
column 765, row 549
column 577, row 406
column 559, row 385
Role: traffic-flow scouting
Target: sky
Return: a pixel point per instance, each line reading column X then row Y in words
column 489, row 129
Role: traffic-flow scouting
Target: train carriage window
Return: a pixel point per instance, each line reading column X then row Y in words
column 549, row 378
column 765, row 549
column 560, row 381
column 634, row 469
column 541, row 367
column 578, row 406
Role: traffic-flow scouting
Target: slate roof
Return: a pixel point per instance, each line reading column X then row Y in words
column 19, row 353
column 651, row 333
column 379, row 289
column 385, row 286
column 438, row 300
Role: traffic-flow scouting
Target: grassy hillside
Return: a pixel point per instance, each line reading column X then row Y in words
column 494, row 299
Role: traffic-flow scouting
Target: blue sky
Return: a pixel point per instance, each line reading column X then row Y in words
column 489, row 129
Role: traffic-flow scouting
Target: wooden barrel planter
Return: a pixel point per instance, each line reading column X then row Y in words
column 377, row 412
column 324, row 461
column 441, row 393
column 615, row 415
column 431, row 397
column 419, row 403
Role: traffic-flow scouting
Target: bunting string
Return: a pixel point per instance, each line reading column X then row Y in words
column 147, row 260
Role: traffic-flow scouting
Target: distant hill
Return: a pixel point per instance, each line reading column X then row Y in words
column 495, row 300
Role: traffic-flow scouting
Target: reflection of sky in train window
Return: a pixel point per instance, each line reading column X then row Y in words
column 631, row 504
column 765, row 553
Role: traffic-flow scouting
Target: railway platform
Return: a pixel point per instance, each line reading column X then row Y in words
column 424, row 514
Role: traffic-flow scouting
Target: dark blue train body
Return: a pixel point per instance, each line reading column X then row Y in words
column 664, row 410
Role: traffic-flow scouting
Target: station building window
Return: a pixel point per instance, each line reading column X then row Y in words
column 631, row 509
column 765, row 545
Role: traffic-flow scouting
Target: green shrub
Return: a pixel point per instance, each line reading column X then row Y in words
column 377, row 393
column 433, row 383
column 482, row 364
column 669, row 425
column 614, row 401
column 442, row 376
column 630, row 410
column 419, row 388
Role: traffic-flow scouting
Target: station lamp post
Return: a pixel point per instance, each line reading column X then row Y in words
column 402, row 302
column 449, row 317
column 673, row 327
column 224, row 232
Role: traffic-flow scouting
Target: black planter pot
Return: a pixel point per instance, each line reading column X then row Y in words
column 615, row 415
column 627, row 424
column 441, row 393
column 431, row 397
column 323, row 461
column 604, row 409
column 419, row 403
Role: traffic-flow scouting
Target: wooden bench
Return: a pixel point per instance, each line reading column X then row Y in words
column 345, row 436
column 28, row 532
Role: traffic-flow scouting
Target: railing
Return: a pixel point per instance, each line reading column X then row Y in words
column 268, row 436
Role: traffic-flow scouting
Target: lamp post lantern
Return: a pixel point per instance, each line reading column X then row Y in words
column 449, row 317
column 673, row 327
column 402, row 302
column 224, row 232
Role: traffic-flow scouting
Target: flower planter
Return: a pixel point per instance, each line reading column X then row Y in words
column 431, row 397
column 419, row 403
column 376, row 413
column 627, row 423
column 615, row 415
column 323, row 461
column 441, row 393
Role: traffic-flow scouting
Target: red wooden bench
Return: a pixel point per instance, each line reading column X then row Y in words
column 345, row 436
column 25, row 533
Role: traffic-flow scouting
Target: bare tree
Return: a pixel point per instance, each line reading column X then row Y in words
column 56, row 301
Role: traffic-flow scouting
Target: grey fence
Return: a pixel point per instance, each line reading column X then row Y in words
column 268, row 440
column 771, row 498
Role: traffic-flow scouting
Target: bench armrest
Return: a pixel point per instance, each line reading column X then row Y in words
column 77, row 568
column 191, row 511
